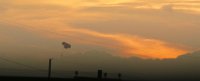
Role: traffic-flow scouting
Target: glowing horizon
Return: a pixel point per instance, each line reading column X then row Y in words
column 127, row 45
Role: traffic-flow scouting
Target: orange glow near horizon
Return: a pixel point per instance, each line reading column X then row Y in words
column 127, row 45
column 137, row 46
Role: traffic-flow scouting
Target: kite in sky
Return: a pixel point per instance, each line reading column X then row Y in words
column 66, row 45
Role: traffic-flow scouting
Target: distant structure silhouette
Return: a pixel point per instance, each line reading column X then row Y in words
column 76, row 74
column 99, row 74
column 105, row 75
column 119, row 76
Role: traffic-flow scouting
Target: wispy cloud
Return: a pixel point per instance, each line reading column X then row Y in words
column 52, row 18
column 136, row 46
column 127, row 45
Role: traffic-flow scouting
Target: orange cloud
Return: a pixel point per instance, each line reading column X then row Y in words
column 52, row 22
column 128, row 45
column 134, row 45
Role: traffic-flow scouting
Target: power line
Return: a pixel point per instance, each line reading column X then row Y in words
column 21, row 64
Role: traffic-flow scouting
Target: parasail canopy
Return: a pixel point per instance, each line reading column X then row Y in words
column 66, row 45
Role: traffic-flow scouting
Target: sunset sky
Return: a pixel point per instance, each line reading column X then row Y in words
column 144, row 29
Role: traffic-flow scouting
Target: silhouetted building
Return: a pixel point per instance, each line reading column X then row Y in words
column 99, row 74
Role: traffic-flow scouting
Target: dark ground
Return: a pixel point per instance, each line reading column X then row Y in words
column 5, row 78
column 14, row 78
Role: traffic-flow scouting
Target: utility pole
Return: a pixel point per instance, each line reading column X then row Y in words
column 49, row 69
